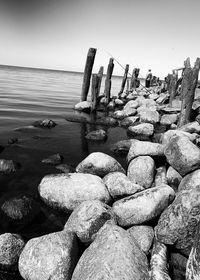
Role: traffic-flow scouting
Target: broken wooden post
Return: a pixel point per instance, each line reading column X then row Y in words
column 172, row 86
column 188, row 86
column 100, row 76
column 134, row 79
column 124, row 79
column 127, row 86
column 108, row 80
column 87, row 73
column 94, row 92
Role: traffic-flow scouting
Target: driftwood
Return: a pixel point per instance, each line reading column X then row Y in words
column 124, row 79
column 108, row 80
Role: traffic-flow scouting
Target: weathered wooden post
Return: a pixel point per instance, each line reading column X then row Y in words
column 188, row 86
column 87, row 73
column 172, row 86
column 124, row 79
column 127, row 86
column 134, row 79
column 108, row 80
column 100, row 76
column 94, row 92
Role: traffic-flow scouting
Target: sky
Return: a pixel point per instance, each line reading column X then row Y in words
column 56, row 34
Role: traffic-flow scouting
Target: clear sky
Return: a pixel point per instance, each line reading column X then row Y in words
column 156, row 34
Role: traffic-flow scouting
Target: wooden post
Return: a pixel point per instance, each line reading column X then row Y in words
column 188, row 86
column 94, row 93
column 172, row 86
column 127, row 86
column 124, row 79
column 134, row 79
column 108, row 80
column 100, row 76
column 87, row 73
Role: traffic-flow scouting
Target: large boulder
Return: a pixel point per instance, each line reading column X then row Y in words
column 143, row 206
column 168, row 119
column 168, row 135
column 192, row 127
column 67, row 191
column 99, row 164
column 148, row 116
column 145, row 148
column 112, row 256
column 182, row 155
column 141, row 171
column 130, row 108
column 143, row 129
column 122, row 146
column 178, row 222
column 190, row 181
column 119, row 185
column 52, row 256
column 173, row 178
column 88, row 218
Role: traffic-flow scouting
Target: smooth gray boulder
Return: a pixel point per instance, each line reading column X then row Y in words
column 173, row 178
column 88, row 218
column 143, row 235
column 168, row 135
column 141, row 171
column 122, row 146
column 52, row 256
column 119, row 185
column 143, row 129
column 149, row 116
column 143, row 206
column 190, row 181
column 97, row 135
column 182, row 155
column 168, row 119
column 112, row 256
column 67, row 191
column 99, row 164
column 177, row 224
column 130, row 108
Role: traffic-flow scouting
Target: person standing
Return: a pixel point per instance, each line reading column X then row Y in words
column 148, row 79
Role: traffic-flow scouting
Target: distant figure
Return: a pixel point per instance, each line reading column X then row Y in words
column 148, row 79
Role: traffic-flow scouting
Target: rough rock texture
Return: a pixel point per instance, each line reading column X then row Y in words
column 52, row 256
column 112, row 256
column 119, row 114
column 67, row 191
column 143, row 129
column 178, row 266
column 143, row 235
column 119, row 185
column 162, row 98
column 83, row 106
column 97, row 135
column 167, row 136
column 7, row 166
column 53, row 159
column 88, row 218
column 168, row 119
column 192, row 127
column 145, row 148
column 190, row 181
column 149, row 116
column 160, row 178
column 182, row 155
column 178, row 222
column 99, row 164
column 123, row 146
column 130, row 108
column 11, row 246
column 143, row 206
column 141, row 171
column 173, row 178
column 107, row 121
column 46, row 123
column 128, row 121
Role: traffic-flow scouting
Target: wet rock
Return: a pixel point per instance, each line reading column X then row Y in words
column 88, row 218
column 12, row 140
column 128, row 121
column 193, row 127
column 149, row 116
column 84, row 106
column 67, row 191
column 97, row 135
column 145, row 148
column 143, row 235
column 123, row 146
column 11, row 246
column 177, row 224
column 130, row 108
column 168, row 119
column 163, row 98
column 26, row 128
column 44, row 123
column 173, row 178
column 51, row 256
column 65, row 168
column 133, row 210
column 190, row 181
column 132, row 95
column 53, row 159
column 143, row 129
column 178, row 266
column 107, row 121
column 182, row 155
column 8, row 166
column 112, row 255
column 99, row 164
column 141, row 171
column 119, row 185
column 167, row 136
column 160, row 178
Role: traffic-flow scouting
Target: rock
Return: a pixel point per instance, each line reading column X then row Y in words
column 119, row 102
column 132, row 95
column 167, row 136
column 46, row 123
column 153, row 96
column 119, row 185
column 26, row 128
column 111, row 105
column 173, row 178
column 182, row 155
column 177, row 224
column 143, row 129
column 112, row 255
column 67, row 191
column 84, row 106
column 145, row 148
column 160, row 178
column 143, row 206
column 128, row 121
column 163, row 98
column 53, row 159
column 8, row 166
column 173, row 126
column 107, row 121
column 130, row 108
column 171, row 110
column 178, row 266
column 148, row 116
column 193, row 127
column 99, row 164
column 97, row 135
column 123, row 146
column 168, row 119
column 12, row 140
column 120, row 115
column 141, row 171
column 88, row 218
column 52, row 256
column 190, row 181
column 11, row 246
column 65, row 168
column 20, row 210
column 143, row 235
column 146, row 104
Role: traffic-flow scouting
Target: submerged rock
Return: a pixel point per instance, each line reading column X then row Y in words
column 123, row 146
column 65, row 168
column 66, row 191
column 52, row 256
column 143, row 129
column 97, row 135
column 99, row 164
column 53, row 159
column 12, row 141
column 45, row 123
column 8, row 166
